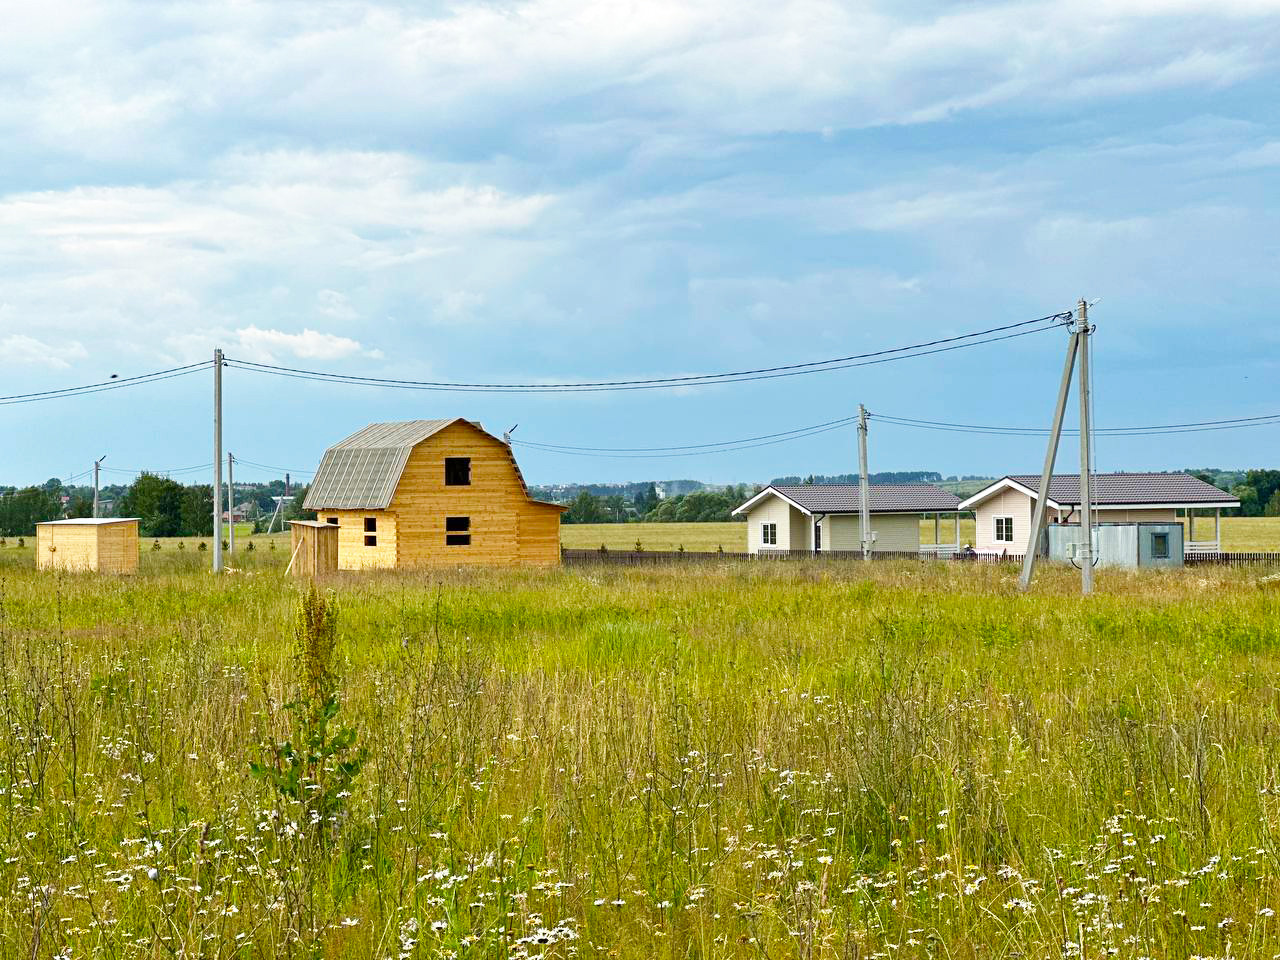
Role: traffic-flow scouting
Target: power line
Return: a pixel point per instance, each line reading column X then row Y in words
column 1131, row 431
column 746, row 443
column 624, row 455
column 927, row 348
column 561, row 448
column 159, row 471
column 104, row 385
column 267, row 466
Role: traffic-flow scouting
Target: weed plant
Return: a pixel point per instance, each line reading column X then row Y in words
column 715, row 760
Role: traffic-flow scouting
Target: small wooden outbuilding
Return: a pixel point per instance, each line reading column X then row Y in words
column 101, row 545
column 315, row 548
column 423, row 493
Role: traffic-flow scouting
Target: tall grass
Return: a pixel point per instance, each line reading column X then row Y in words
column 792, row 760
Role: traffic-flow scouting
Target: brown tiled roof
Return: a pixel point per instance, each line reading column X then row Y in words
column 1126, row 488
column 882, row 497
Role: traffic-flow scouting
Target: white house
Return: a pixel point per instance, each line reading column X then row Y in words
column 825, row 517
column 1003, row 509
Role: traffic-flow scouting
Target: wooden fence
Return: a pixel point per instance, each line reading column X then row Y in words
column 655, row 557
column 1235, row 558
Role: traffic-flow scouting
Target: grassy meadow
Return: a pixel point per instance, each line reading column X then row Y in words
column 797, row 759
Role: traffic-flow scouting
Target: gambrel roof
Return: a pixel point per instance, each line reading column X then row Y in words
column 362, row 471
column 1115, row 490
column 828, row 498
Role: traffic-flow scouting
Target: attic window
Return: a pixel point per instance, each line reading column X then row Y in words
column 457, row 531
column 457, row 471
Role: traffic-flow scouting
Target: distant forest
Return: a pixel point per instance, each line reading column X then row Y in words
column 902, row 476
column 168, row 508
column 1257, row 490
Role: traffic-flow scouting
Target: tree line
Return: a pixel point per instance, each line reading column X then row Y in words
column 164, row 507
column 1257, row 490
column 701, row 506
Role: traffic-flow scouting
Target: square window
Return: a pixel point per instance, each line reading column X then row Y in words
column 370, row 540
column 457, row 540
column 1004, row 529
column 370, row 524
column 1160, row 546
column 457, row 524
column 457, row 471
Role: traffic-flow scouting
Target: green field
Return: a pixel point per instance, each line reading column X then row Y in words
column 1238, row 533
column 710, row 760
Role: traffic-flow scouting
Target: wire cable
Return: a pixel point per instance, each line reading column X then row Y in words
column 927, row 348
column 622, row 455
column 104, row 385
column 160, row 471
column 560, row 448
column 1133, row 431
column 267, row 466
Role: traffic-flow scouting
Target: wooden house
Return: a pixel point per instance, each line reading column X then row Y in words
column 100, row 545
column 430, row 493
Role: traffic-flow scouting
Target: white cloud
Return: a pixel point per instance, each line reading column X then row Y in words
column 110, row 79
column 264, row 345
column 21, row 350
column 143, row 264
column 1266, row 155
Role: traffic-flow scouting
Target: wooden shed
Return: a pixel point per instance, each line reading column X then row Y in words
column 429, row 493
column 315, row 548
column 101, row 545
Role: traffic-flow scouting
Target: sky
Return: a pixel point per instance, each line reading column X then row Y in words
column 547, row 190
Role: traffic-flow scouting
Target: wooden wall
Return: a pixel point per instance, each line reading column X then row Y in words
column 118, row 548
column 539, row 534
column 106, row 547
column 314, row 549
column 352, row 553
column 502, row 516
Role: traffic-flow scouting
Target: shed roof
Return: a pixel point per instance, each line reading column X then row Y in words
column 1118, row 489
column 826, row 498
column 87, row 521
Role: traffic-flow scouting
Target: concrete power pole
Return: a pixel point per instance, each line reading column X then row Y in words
column 231, row 504
column 217, row 461
column 1086, row 455
column 97, row 467
column 1077, row 345
column 864, row 486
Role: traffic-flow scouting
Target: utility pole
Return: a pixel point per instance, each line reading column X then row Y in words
column 864, row 484
column 231, row 504
column 1050, row 458
column 1086, row 455
column 97, row 466
column 217, row 461
column 1077, row 345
